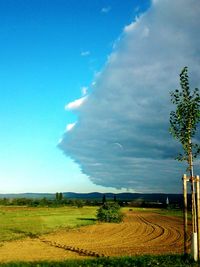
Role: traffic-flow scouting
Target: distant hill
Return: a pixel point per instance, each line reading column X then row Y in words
column 155, row 197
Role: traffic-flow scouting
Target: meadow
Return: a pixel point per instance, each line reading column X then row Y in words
column 18, row 222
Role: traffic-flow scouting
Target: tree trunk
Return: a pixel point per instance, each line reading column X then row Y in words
column 185, row 179
column 194, row 215
column 198, row 215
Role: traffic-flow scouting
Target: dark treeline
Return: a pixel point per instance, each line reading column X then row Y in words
column 45, row 202
column 60, row 200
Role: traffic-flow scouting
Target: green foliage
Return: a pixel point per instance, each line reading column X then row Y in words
column 109, row 212
column 104, row 199
column 137, row 261
column 59, row 197
column 185, row 119
column 48, row 202
column 79, row 203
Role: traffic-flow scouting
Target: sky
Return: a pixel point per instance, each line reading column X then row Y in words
column 84, row 89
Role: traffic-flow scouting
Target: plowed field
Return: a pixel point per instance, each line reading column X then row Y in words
column 140, row 233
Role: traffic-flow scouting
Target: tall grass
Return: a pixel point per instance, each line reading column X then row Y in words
column 138, row 261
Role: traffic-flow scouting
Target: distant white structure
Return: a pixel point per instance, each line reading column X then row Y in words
column 167, row 201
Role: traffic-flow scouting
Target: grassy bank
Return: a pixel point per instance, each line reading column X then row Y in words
column 18, row 222
column 139, row 261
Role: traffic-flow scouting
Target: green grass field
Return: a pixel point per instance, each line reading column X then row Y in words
column 137, row 261
column 167, row 212
column 19, row 222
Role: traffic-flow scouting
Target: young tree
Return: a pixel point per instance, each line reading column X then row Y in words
column 60, row 197
column 109, row 212
column 104, row 199
column 183, row 122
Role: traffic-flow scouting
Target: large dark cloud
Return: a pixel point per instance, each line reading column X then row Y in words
column 122, row 138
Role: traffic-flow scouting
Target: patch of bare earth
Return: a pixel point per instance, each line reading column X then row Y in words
column 140, row 233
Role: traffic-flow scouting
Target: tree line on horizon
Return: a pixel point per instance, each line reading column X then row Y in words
column 60, row 200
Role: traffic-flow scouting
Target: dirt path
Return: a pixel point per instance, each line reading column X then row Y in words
column 140, row 233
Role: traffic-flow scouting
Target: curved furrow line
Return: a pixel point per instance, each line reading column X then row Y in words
column 150, row 226
column 175, row 234
column 169, row 235
column 127, row 231
column 78, row 250
column 131, row 239
column 178, row 238
column 158, row 230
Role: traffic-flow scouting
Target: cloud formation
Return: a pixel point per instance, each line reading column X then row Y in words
column 70, row 126
column 122, row 138
column 76, row 103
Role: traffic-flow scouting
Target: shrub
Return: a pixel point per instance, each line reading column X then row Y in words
column 109, row 212
column 79, row 203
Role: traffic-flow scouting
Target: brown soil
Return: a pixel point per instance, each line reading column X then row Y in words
column 140, row 233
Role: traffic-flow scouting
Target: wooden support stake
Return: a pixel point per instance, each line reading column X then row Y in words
column 198, row 214
column 185, row 217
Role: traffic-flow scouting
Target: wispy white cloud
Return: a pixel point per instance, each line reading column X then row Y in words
column 76, row 103
column 84, row 90
column 123, row 126
column 70, row 126
column 85, row 53
column 130, row 27
column 106, row 9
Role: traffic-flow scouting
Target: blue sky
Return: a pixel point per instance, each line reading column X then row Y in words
column 49, row 50
column 105, row 69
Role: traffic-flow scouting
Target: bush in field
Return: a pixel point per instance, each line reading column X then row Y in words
column 79, row 203
column 109, row 212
